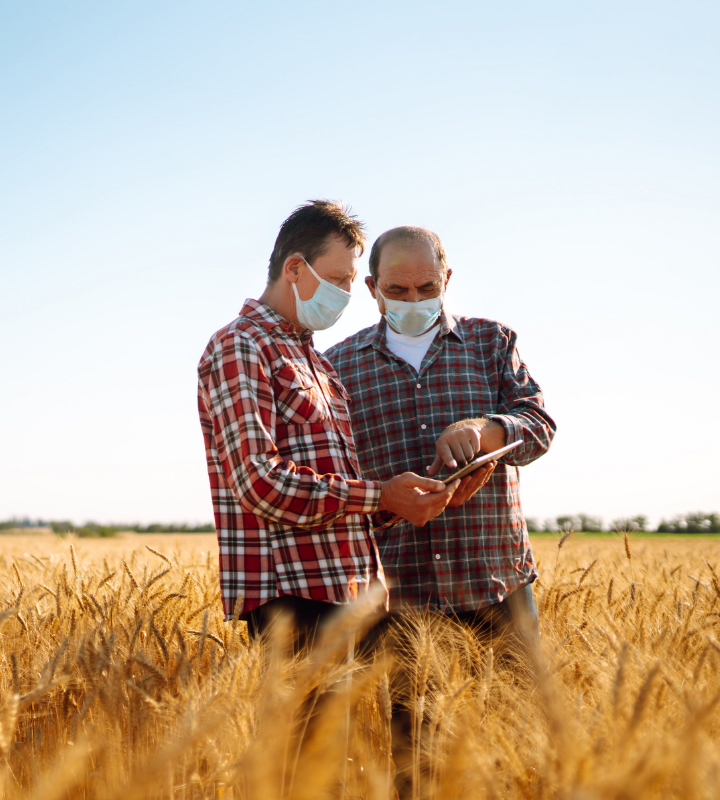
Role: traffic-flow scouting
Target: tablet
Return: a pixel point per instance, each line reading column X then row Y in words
column 478, row 461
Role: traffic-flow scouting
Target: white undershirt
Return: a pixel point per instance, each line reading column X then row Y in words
column 410, row 348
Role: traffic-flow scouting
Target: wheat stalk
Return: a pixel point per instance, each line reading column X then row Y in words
column 130, row 575
column 561, row 542
column 8, row 722
column 160, row 555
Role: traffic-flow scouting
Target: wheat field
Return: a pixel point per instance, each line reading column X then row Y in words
column 120, row 680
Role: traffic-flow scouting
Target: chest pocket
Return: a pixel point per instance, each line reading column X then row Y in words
column 337, row 389
column 297, row 398
column 340, row 399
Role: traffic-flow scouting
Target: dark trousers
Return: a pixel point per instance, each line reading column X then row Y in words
column 305, row 617
column 516, row 616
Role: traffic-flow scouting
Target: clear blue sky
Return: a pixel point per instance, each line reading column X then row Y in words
column 566, row 153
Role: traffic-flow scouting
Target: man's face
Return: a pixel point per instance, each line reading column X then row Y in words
column 408, row 271
column 337, row 265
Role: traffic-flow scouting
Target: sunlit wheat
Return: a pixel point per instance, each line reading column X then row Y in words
column 119, row 679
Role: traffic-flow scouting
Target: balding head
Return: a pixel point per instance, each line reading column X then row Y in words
column 413, row 237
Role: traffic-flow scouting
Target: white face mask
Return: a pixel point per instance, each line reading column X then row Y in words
column 324, row 308
column 412, row 319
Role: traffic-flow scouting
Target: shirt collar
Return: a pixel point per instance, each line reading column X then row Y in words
column 375, row 336
column 448, row 324
column 263, row 316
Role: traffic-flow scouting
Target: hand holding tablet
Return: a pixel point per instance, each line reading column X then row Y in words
column 468, row 469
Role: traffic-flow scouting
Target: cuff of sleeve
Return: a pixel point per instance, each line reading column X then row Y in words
column 364, row 497
column 513, row 429
column 513, row 433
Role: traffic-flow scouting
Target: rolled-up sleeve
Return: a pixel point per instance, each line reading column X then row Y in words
column 521, row 408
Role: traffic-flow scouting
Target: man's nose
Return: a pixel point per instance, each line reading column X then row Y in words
column 413, row 296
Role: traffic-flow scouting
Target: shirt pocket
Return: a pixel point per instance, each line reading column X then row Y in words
column 297, row 397
column 340, row 397
column 337, row 388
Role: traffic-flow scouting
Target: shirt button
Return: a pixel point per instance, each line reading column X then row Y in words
column 423, row 426
column 418, row 386
column 437, row 556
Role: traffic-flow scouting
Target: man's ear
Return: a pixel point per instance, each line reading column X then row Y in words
column 370, row 283
column 291, row 267
column 447, row 277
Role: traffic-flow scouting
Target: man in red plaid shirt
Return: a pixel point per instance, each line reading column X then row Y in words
column 428, row 391
column 291, row 508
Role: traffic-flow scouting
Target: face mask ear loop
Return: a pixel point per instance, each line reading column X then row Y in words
column 322, row 280
column 309, row 265
column 297, row 294
column 297, row 299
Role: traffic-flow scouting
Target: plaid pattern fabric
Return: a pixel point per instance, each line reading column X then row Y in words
column 475, row 555
column 290, row 506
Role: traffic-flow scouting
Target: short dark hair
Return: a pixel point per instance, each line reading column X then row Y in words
column 308, row 230
column 406, row 233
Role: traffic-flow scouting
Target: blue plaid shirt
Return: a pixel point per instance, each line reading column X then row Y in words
column 474, row 555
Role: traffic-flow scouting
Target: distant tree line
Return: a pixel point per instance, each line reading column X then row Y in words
column 697, row 522
column 691, row 523
column 92, row 529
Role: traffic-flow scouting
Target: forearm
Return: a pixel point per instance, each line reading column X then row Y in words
column 296, row 496
column 492, row 433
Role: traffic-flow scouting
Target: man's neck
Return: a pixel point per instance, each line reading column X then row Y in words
column 278, row 296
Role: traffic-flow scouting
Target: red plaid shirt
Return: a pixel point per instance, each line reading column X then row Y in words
column 474, row 555
column 290, row 507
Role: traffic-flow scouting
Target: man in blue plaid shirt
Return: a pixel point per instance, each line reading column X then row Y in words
column 428, row 391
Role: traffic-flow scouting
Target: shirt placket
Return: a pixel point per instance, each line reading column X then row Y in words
column 417, row 389
column 300, row 347
column 349, row 455
column 425, row 388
